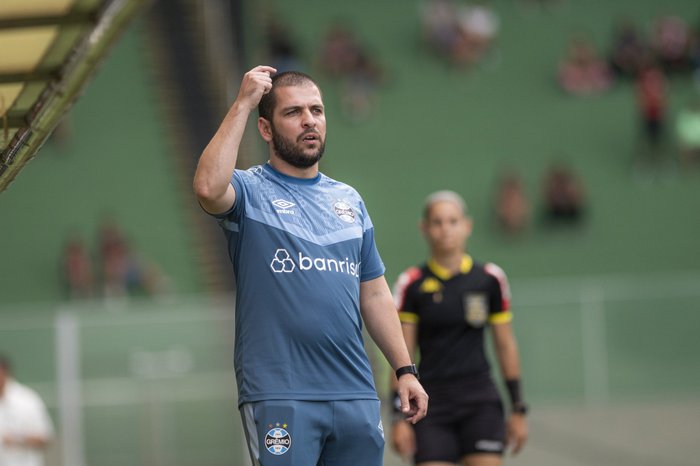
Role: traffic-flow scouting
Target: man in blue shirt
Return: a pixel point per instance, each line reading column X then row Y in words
column 308, row 275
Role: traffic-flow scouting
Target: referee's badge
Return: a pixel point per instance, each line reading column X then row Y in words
column 475, row 309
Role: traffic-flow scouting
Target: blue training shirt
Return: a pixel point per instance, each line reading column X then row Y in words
column 299, row 248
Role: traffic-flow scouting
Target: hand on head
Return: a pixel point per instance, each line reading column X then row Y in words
column 256, row 83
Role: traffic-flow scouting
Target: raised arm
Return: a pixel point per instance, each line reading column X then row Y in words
column 212, row 180
column 382, row 321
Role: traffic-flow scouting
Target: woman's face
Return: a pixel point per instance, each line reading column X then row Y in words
column 446, row 228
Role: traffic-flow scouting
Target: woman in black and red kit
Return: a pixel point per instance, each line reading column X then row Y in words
column 445, row 306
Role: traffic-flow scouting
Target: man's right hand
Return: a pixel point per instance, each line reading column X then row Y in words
column 212, row 180
column 256, row 83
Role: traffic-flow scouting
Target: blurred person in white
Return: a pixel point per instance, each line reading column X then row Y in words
column 25, row 425
column 479, row 24
column 688, row 132
column 462, row 33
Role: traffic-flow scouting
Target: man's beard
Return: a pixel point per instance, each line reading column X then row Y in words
column 292, row 154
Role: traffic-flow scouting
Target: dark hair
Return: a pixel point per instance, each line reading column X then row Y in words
column 5, row 363
column 266, row 107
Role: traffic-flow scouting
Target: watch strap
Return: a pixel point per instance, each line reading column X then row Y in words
column 410, row 369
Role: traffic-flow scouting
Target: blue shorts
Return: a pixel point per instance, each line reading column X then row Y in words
column 321, row 433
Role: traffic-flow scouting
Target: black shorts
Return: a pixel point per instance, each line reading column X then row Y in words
column 453, row 430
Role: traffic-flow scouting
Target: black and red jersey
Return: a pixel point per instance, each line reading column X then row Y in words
column 451, row 312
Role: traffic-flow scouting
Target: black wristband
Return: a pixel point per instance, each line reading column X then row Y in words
column 514, row 393
column 516, row 397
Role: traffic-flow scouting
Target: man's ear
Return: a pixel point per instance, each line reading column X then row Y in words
column 265, row 129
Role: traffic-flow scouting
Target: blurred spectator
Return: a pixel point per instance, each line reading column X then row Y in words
column 582, row 72
column 76, row 269
column 512, row 206
column 113, row 259
column 564, row 199
column 339, row 50
column 629, row 50
column 463, row 34
column 25, row 425
column 688, row 132
column 359, row 88
column 670, row 42
column 345, row 59
column 122, row 272
column 282, row 50
column 440, row 28
column 694, row 55
column 651, row 102
column 479, row 26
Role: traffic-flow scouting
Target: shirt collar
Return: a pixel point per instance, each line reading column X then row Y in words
column 291, row 179
column 443, row 274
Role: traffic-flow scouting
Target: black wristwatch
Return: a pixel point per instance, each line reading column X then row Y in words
column 410, row 369
column 520, row 408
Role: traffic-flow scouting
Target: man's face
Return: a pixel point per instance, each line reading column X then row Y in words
column 298, row 127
